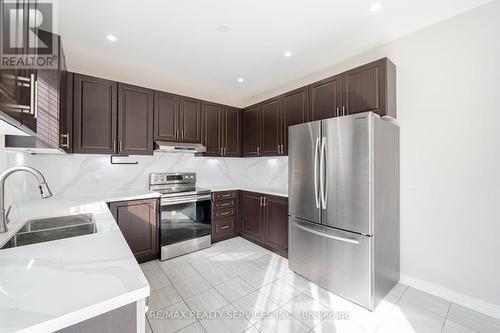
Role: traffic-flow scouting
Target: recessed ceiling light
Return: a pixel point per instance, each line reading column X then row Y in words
column 111, row 38
column 287, row 54
column 222, row 28
column 240, row 79
column 375, row 7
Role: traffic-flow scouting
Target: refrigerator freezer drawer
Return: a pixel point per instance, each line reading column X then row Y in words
column 335, row 260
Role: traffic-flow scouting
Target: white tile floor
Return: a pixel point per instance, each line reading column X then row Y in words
column 231, row 286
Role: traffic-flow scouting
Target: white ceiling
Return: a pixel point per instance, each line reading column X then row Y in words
column 175, row 46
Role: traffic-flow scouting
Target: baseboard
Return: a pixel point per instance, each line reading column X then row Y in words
column 472, row 303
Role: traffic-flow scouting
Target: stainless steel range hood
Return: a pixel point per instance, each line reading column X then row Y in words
column 179, row 147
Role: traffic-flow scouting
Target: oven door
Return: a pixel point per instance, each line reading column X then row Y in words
column 184, row 218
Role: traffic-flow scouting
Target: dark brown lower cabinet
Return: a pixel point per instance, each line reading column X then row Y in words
column 138, row 222
column 264, row 220
column 225, row 217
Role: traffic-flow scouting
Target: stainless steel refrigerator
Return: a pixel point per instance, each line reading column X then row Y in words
column 344, row 205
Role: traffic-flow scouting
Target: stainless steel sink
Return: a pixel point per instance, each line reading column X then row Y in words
column 49, row 229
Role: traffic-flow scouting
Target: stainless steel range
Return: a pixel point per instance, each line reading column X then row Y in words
column 185, row 224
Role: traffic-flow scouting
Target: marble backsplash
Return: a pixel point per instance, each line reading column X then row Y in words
column 71, row 175
column 19, row 187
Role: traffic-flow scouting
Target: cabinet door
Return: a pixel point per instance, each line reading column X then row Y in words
column 365, row 88
column 232, row 132
column 166, row 117
column 295, row 111
column 95, row 115
column 190, row 120
column 252, row 221
column 325, row 98
column 138, row 223
column 212, row 129
column 271, row 127
column 251, row 131
column 276, row 214
column 135, row 120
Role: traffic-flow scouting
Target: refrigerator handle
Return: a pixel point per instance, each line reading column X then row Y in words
column 316, row 155
column 327, row 235
column 322, row 173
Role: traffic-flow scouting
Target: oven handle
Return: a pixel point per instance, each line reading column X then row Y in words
column 172, row 201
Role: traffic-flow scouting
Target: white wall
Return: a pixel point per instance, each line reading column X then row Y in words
column 448, row 90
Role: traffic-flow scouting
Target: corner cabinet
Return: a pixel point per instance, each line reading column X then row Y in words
column 251, row 131
column 264, row 220
column 138, row 222
column 221, row 130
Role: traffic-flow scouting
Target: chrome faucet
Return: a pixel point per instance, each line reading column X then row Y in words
column 44, row 190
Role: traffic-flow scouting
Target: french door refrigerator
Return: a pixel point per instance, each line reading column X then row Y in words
column 344, row 205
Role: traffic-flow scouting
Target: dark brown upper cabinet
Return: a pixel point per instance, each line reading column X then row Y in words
column 212, row 129
column 135, row 120
column 231, row 132
column 371, row 87
column 251, row 131
column 138, row 222
column 295, row 111
column 17, row 86
column 190, row 120
column 221, row 130
column 95, row 115
column 166, row 117
column 326, row 98
column 271, row 129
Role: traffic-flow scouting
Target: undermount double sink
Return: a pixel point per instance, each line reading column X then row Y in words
column 49, row 229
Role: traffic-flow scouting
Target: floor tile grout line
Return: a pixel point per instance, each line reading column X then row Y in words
column 446, row 317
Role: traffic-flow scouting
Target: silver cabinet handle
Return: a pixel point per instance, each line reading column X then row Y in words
column 261, row 201
column 316, row 155
column 265, row 201
column 224, row 227
column 327, row 235
column 338, row 111
column 343, row 110
column 114, row 145
column 177, row 134
column 65, row 136
column 119, row 145
column 35, row 106
column 258, row 150
column 32, row 94
column 182, row 134
column 322, row 170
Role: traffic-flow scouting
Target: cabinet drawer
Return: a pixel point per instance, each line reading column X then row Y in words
column 224, row 204
column 223, row 213
column 223, row 226
column 224, row 195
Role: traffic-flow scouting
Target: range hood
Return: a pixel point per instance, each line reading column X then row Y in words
column 179, row 147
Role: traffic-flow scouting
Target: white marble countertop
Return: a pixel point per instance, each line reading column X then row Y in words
column 266, row 190
column 52, row 285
